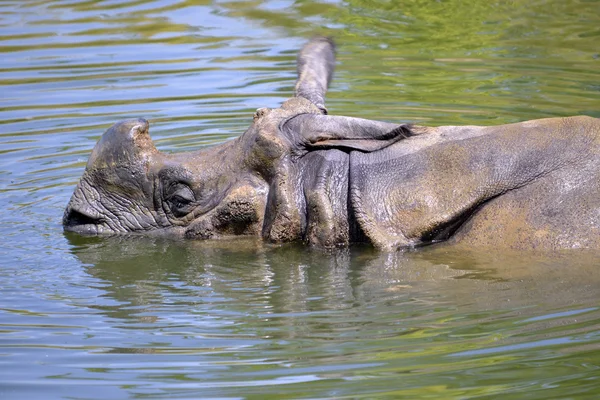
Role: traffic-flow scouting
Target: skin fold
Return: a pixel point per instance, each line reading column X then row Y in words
column 298, row 174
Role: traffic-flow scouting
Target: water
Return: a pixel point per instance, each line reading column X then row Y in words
column 132, row 317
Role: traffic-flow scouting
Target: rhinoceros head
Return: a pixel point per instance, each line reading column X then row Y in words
column 286, row 177
column 129, row 186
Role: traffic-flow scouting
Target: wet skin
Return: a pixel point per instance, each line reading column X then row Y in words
column 300, row 174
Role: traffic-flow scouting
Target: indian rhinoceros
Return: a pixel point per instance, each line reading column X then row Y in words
column 299, row 174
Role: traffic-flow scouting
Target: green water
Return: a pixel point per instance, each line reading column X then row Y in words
column 93, row 318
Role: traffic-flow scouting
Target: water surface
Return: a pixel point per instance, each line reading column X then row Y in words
column 94, row 318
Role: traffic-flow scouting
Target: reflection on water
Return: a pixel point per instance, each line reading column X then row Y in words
column 133, row 317
column 206, row 319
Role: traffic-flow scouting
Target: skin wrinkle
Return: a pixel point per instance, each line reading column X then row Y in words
column 143, row 222
column 182, row 177
column 94, row 201
column 167, row 212
column 525, row 168
column 298, row 174
column 158, row 204
column 325, row 189
column 516, row 171
column 111, row 223
column 131, row 222
column 124, row 216
column 171, row 219
column 379, row 237
column 114, row 221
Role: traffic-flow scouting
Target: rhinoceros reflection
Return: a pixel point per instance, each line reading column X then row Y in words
column 298, row 174
column 152, row 280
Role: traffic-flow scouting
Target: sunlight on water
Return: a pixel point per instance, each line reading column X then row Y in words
column 148, row 318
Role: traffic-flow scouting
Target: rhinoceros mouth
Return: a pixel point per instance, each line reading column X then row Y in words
column 76, row 220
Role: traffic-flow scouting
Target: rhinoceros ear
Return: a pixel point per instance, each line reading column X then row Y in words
column 314, row 131
column 316, row 62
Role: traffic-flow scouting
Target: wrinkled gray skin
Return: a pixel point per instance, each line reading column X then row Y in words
column 300, row 174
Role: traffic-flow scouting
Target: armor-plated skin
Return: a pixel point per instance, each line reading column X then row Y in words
column 300, row 174
column 532, row 184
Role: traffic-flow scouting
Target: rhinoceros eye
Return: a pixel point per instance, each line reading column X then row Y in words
column 181, row 199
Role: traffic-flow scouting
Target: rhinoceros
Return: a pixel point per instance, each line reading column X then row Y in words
column 300, row 174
